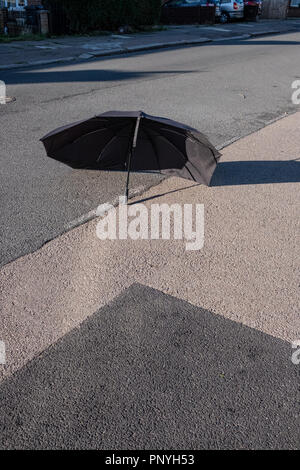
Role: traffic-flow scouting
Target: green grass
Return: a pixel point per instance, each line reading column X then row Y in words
column 23, row 37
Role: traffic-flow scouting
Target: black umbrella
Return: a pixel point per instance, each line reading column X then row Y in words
column 134, row 141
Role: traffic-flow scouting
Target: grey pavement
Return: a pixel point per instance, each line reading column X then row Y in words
column 149, row 371
column 60, row 49
column 225, row 89
column 246, row 271
column 141, row 344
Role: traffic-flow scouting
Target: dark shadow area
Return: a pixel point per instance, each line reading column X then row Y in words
column 150, row 371
column 36, row 75
column 17, row 77
column 256, row 172
column 250, row 41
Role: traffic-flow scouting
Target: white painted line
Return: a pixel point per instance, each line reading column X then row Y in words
column 47, row 47
column 100, row 47
column 244, row 36
column 119, row 36
column 216, row 28
column 86, row 56
column 246, row 25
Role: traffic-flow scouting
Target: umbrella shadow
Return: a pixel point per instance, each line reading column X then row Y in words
column 256, row 172
column 245, row 172
column 162, row 194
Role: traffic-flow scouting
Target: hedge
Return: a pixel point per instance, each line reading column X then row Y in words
column 108, row 14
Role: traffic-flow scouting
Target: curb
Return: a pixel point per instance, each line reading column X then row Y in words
column 242, row 36
column 146, row 47
column 265, row 33
column 154, row 45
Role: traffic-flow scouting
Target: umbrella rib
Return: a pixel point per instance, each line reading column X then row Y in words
column 190, row 171
column 89, row 133
column 174, row 146
column 105, row 147
column 154, row 148
column 208, row 145
column 181, row 134
column 189, row 134
column 178, row 150
column 107, row 144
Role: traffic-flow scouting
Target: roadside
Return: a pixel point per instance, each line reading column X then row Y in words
column 223, row 97
column 149, row 355
column 250, row 225
column 66, row 49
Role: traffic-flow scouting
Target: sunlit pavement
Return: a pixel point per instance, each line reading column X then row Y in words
column 142, row 344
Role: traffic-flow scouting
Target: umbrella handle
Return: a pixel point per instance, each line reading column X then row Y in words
column 130, row 155
column 128, row 174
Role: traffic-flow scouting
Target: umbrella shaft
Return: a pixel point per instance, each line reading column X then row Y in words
column 128, row 174
column 134, row 140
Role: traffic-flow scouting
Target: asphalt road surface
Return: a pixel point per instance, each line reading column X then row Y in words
column 138, row 375
column 225, row 89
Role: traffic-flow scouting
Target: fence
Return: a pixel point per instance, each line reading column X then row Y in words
column 191, row 15
column 275, row 9
column 58, row 21
column 294, row 9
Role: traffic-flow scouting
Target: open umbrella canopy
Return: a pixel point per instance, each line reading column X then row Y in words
column 134, row 141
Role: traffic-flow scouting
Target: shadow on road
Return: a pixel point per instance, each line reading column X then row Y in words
column 240, row 173
column 87, row 75
column 253, row 42
column 256, row 172
column 149, row 355
column 43, row 73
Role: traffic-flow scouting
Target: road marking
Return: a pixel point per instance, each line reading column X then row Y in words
column 247, row 25
column 101, row 47
column 119, row 36
column 46, row 47
column 2, row 353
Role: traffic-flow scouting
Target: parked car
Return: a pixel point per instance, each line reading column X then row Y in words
column 231, row 9
column 254, row 3
column 218, row 10
column 252, row 9
column 188, row 11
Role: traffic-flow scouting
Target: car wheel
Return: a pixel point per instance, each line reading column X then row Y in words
column 224, row 18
